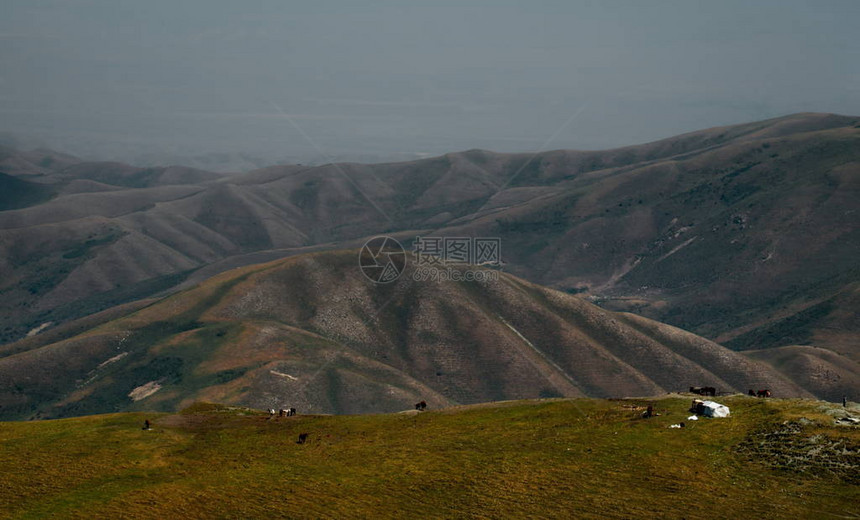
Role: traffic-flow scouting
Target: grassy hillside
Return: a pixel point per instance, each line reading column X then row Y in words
column 557, row 458
column 311, row 331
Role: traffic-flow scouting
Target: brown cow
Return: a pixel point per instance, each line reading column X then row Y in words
column 763, row 393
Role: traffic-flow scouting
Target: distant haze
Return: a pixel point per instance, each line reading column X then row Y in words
column 162, row 81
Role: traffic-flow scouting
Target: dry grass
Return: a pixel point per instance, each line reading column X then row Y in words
column 556, row 458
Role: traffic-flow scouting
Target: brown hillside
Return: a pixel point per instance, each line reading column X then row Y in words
column 744, row 234
column 821, row 371
column 311, row 332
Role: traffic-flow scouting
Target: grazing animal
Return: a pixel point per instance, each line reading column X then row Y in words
column 752, row 392
column 271, row 412
column 146, row 424
column 698, row 407
column 291, row 412
column 763, row 393
column 282, row 413
column 703, row 390
column 302, row 438
column 421, row 406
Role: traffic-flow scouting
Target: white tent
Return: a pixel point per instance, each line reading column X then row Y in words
column 712, row 409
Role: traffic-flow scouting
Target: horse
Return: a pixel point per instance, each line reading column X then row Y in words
column 302, row 438
column 703, row 390
column 421, row 406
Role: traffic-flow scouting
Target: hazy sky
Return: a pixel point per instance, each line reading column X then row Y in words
column 283, row 78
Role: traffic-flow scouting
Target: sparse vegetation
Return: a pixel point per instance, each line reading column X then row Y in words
column 605, row 219
column 558, row 459
column 284, row 333
column 84, row 248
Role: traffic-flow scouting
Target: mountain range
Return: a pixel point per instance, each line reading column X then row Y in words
column 744, row 235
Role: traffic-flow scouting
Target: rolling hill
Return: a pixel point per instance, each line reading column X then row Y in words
column 719, row 231
column 580, row 458
column 16, row 193
column 746, row 235
column 312, row 332
column 821, row 371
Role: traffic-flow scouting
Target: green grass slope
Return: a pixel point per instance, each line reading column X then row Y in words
column 578, row 458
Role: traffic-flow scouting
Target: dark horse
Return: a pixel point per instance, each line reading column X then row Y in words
column 763, row 393
column 703, row 390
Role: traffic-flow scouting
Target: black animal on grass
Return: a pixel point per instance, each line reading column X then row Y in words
column 302, row 438
column 649, row 412
column 421, row 406
column 703, row 390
